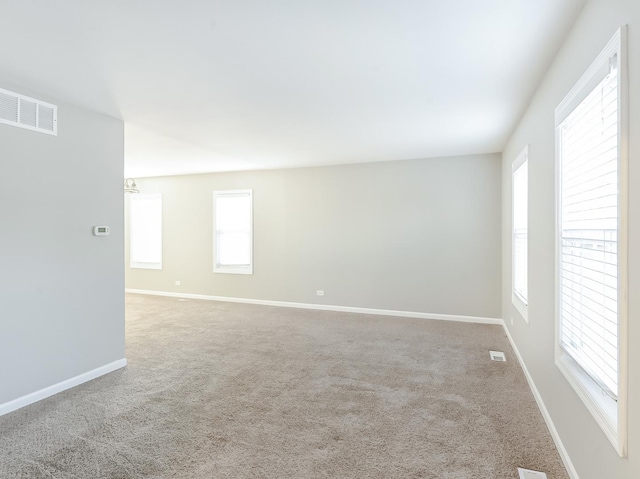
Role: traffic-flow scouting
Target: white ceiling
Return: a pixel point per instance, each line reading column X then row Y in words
column 219, row 85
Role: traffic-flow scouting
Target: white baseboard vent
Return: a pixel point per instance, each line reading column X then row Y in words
column 325, row 307
column 25, row 112
column 497, row 356
column 529, row 474
column 44, row 393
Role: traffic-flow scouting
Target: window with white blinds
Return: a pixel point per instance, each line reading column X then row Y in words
column 233, row 231
column 145, row 231
column 590, row 238
column 520, row 222
column 589, row 230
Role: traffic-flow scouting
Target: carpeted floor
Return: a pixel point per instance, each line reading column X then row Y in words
column 223, row 390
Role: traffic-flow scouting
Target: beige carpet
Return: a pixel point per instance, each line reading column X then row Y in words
column 222, row 390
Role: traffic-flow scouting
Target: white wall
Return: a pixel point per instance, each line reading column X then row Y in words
column 421, row 235
column 61, row 289
column 590, row 451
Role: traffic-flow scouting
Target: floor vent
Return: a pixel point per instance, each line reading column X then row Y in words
column 497, row 356
column 529, row 474
column 24, row 112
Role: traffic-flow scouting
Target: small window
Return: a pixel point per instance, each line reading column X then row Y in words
column 520, row 225
column 145, row 228
column 233, row 220
column 591, row 234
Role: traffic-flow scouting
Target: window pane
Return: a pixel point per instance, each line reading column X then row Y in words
column 233, row 229
column 234, row 213
column 145, row 230
column 234, row 247
column 520, row 230
column 589, row 234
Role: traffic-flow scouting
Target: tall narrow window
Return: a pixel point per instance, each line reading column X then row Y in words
column 520, row 232
column 233, row 220
column 592, row 239
column 145, row 227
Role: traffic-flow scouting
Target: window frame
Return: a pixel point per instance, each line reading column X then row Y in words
column 138, row 264
column 610, row 415
column 521, row 304
column 232, row 269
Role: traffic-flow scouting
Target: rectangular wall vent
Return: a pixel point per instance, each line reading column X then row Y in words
column 529, row 474
column 497, row 356
column 24, row 112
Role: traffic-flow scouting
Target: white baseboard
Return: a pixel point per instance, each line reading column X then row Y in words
column 23, row 401
column 564, row 455
column 324, row 307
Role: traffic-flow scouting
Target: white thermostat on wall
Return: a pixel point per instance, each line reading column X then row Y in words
column 101, row 231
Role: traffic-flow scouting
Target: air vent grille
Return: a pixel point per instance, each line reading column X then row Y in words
column 529, row 474
column 47, row 117
column 28, row 113
column 24, row 112
column 497, row 356
column 8, row 107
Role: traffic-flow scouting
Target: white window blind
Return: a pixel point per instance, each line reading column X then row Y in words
column 588, row 256
column 145, row 227
column 233, row 231
column 520, row 226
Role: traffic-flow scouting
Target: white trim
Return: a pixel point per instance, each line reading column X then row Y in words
column 233, row 269
column 324, row 307
column 602, row 407
column 520, row 306
column 594, row 74
column 44, row 393
column 522, row 157
column 134, row 265
column 623, row 243
column 564, row 455
column 614, row 427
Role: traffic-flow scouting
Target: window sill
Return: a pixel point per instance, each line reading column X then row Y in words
column 233, row 269
column 146, row 266
column 521, row 307
column 603, row 408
